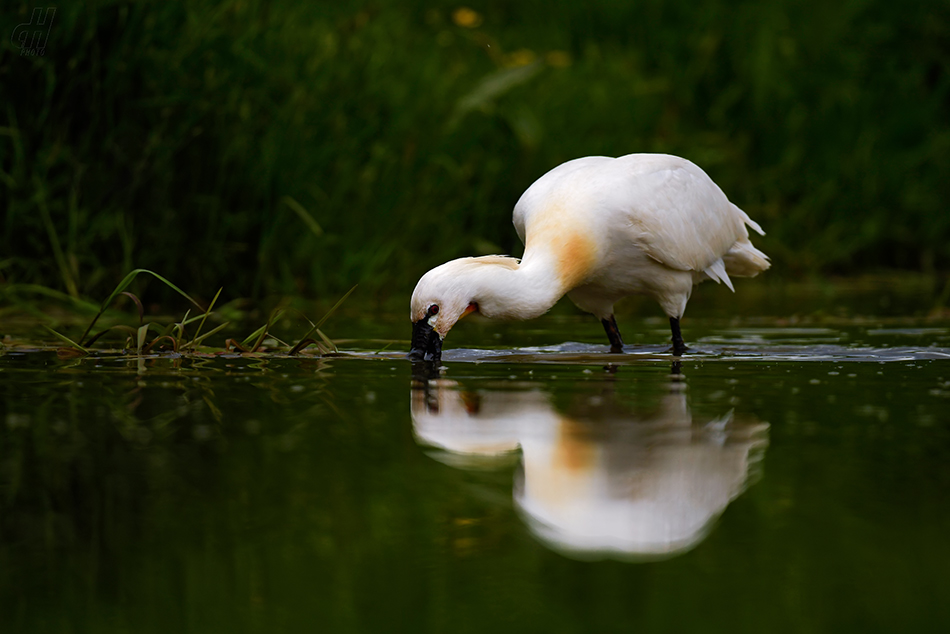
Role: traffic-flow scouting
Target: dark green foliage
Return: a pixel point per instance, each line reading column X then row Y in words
column 301, row 147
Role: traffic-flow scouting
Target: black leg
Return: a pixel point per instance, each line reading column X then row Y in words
column 679, row 348
column 613, row 333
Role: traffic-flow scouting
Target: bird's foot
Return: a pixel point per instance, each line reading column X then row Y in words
column 679, row 346
column 613, row 334
column 678, row 351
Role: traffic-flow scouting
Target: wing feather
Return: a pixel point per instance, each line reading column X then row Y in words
column 665, row 205
column 679, row 216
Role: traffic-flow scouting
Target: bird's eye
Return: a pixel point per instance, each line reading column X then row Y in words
column 434, row 309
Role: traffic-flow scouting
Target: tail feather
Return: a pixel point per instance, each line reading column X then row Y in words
column 749, row 221
column 717, row 271
column 744, row 260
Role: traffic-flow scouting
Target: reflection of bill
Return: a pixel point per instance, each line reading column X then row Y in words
column 602, row 480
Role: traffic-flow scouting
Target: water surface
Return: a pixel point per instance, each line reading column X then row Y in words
column 781, row 478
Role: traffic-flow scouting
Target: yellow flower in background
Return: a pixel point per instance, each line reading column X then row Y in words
column 463, row 16
column 521, row 57
column 558, row 59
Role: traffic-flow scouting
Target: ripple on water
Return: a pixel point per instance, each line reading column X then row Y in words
column 574, row 352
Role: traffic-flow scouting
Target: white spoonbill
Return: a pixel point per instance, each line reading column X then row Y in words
column 597, row 229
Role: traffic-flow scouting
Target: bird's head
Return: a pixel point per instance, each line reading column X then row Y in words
column 442, row 297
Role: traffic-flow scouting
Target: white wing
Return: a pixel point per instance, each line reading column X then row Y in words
column 678, row 215
column 664, row 204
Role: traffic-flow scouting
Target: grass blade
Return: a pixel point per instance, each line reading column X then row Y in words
column 132, row 275
column 233, row 343
column 180, row 326
column 128, row 329
column 138, row 304
column 275, row 317
column 154, row 342
column 123, row 285
column 197, row 340
column 258, row 336
column 304, row 215
column 254, row 335
column 140, row 339
column 315, row 328
column 205, row 316
column 335, row 306
column 61, row 261
column 303, row 343
column 10, row 291
column 384, row 348
column 326, row 340
column 66, row 339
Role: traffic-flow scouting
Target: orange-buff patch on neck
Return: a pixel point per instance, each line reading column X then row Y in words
column 471, row 308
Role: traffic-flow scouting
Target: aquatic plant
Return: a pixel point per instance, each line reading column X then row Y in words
column 174, row 335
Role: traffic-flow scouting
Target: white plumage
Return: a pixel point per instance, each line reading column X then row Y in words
column 601, row 479
column 598, row 229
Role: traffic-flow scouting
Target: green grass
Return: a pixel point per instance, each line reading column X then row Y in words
column 174, row 337
column 301, row 148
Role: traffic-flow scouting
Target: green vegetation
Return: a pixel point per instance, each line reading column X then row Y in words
column 300, row 148
column 173, row 336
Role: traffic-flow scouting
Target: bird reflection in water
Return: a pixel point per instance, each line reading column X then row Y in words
column 602, row 479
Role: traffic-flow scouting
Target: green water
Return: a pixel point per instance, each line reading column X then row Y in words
column 789, row 479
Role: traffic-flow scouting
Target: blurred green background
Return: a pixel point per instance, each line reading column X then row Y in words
column 292, row 147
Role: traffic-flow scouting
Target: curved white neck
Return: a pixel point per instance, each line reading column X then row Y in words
column 522, row 293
